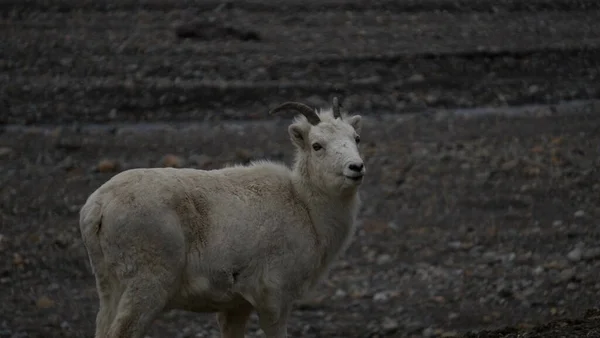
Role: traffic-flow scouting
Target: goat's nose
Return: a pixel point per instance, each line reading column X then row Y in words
column 358, row 166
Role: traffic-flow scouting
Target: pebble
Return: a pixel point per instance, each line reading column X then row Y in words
column 18, row 259
column 380, row 297
column 416, row 78
column 4, row 151
column 382, row 259
column 339, row 293
column 44, row 302
column 389, row 324
column 565, row 275
column 428, row 332
column 579, row 213
column 107, row 166
column 201, row 161
column 575, row 255
column 172, row 161
column 591, row 253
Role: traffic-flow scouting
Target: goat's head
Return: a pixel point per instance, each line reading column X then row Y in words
column 327, row 143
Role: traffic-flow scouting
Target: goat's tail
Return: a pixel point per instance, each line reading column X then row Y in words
column 90, row 222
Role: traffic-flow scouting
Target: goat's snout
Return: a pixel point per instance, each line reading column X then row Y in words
column 357, row 167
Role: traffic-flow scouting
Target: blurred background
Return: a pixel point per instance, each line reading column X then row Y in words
column 482, row 136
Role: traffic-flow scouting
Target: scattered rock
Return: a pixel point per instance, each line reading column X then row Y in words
column 389, row 324
column 509, row 165
column 205, row 30
column 172, row 161
column 575, row 255
column 588, row 254
column 428, row 332
column 243, row 155
column 107, row 166
column 44, row 302
column 416, row 78
column 383, row 296
column 579, row 214
column 572, row 286
column 556, row 265
column 538, row 270
column 202, row 161
column 339, row 293
column 18, row 259
column 564, row 276
column 382, row 259
column 5, row 151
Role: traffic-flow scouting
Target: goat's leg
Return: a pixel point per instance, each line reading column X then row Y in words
column 273, row 319
column 233, row 322
column 140, row 303
column 108, row 294
column 106, row 313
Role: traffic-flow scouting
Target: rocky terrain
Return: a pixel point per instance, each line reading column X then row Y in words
column 473, row 224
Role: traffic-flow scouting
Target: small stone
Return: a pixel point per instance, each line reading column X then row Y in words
column 243, row 154
column 18, row 259
column 107, row 166
column 389, row 324
column 538, row 270
column 572, row 286
column 509, row 165
column 339, row 293
column 112, row 114
column 565, row 275
column 416, row 78
column 557, row 223
column 575, row 255
column 172, row 161
column 454, row 245
column 201, row 161
column 44, row 302
column 579, row 213
column 534, row 89
column 428, row 332
column 380, row 297
column 588, row 254
column 382, row 259
column 5, row 151
column 556, row 265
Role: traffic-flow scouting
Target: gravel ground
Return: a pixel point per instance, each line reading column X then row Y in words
column 472, row 226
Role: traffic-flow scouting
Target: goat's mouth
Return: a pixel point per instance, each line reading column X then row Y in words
column 355, row 178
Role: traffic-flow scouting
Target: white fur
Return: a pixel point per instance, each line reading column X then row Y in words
column 230, row 241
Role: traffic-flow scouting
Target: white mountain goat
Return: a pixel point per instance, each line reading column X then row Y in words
column 230, row 241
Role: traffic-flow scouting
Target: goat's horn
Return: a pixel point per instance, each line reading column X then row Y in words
column 305, row 110
column 336, row 108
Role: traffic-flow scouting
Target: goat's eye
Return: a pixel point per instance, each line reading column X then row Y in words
column 317, row 146
column 357, row 139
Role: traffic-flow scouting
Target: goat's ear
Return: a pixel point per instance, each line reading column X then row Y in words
column 298, row 134
column 356, row 122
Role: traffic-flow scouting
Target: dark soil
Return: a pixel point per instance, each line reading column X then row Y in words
column 476, row 227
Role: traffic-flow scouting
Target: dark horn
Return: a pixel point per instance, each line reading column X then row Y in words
column 336, row 108
column 305, row 110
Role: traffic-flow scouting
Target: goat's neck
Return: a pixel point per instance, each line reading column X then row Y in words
column 332, row 215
